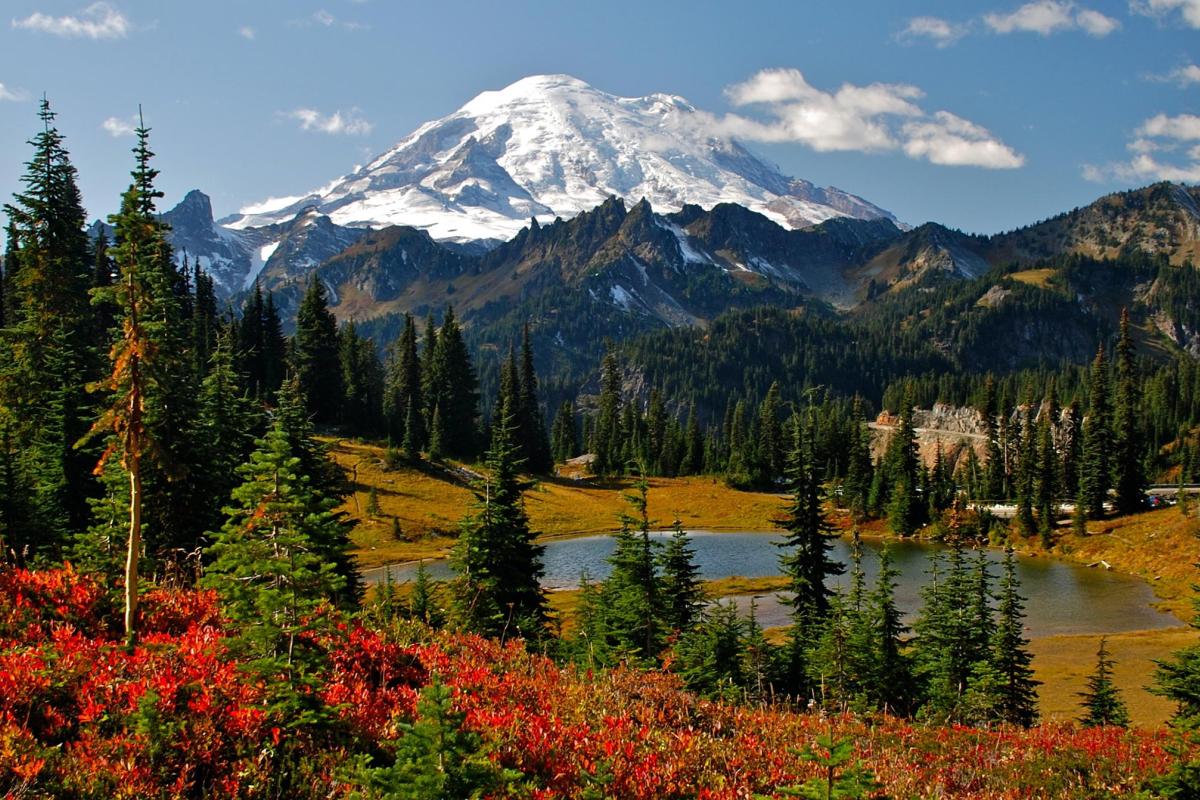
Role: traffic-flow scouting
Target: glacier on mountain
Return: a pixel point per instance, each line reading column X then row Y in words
column 552, row 146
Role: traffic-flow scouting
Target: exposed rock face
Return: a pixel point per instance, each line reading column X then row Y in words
column 953, row 429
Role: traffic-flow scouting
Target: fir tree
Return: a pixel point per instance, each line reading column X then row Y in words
column 50, row 347
column 630, row 607
column 1010, row 657
column 267, row 560
column 607, row 431
column 499, row 565
column 1129, row 479
column 1102, row 702
column 888, row 681
column 806, row 562
column 316, row 355
column 563, row 441
column 1046, row 484
column 423, row 600
column 682, row 588
column 453, row 390
column 995, row 479
column 769, row 460
column 437, row 758
column 1094, row 480
column 904, row 510
column 136, row 380
column 531, row 426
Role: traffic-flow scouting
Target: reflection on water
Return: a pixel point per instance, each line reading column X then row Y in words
column 1062, row 598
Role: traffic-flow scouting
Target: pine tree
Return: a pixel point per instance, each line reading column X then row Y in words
column 857, row 486
column 423, row 601
column 267, row 560
column 531, row 425
column 499, row 565
column 607, row 430
column 228, row 419
column 994, row 481
column 1094, row 479
column 204, row 322
column 437, row 758
column 563, row 441
column 693, row 453
column 805, row 562
column 453, row 390
column 1046, row 484
column 137, row 374
column 316, row 353
column 1102, row 701
column 769, row 460
column 327, row 482
column 403, row 398
column 904, row 510
column 1010, row 657
column 682, row 588
column 1027, row 469
column 888, row 681
column 631, row 602
column 51, row 345
column 711, row 656
column 1129, row 478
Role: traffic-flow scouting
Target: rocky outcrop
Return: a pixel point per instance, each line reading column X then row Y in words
column 952, row 429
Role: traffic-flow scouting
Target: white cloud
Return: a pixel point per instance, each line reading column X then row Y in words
column 879, row 117
column 12, row 95
column 1189, row 10
column 1185, row 76
column 246, row 32
column 952, row 141
column 120, row 127
column 97, row 21
column 349, row 123
column 327, row 20
column 941, row 32
column 1046, row 17
column 1164, row 148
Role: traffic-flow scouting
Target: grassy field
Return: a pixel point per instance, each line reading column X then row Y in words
column 1159, row 546
column 429, row 503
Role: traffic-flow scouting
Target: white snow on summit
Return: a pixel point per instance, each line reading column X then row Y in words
column 548, row 146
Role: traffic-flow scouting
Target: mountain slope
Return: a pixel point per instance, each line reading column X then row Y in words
column 552, row 146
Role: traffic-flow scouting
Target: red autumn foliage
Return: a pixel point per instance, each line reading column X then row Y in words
column 180, row 716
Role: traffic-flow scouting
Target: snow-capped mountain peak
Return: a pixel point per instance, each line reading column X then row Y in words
column 551, row 145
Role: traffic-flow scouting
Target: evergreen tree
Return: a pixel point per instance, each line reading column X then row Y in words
column 1046, row 484
column 228, row 420
column 693, row 453
column 437, row 758
column 403, row 398
column 328, row 484
column 1094, row 480
column 423, row 601
column 630, row 608
column 453, row 390
column 1010, row 657
column 50, row 347
column 563, row 441
column 204, row 322
column 1129, row 478
column 607, row 431
column 1027, row 469
column 1102, row 702
column 806, row 561
column 905, row 512
column 138, row 386
column 769, row 461
column 682, row 588
column 531, row 425
column 267, row 560
column 316, row 355
column 711, row 656
column 499, row 565
column 857, row 486
column 888, row 680
column 995, row 479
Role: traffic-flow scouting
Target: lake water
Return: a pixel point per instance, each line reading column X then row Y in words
column 1061, row 598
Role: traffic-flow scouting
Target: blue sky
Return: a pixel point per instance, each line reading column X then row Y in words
column 1058, row 102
